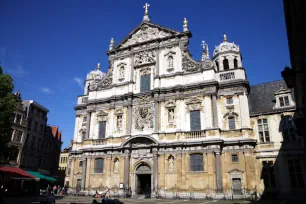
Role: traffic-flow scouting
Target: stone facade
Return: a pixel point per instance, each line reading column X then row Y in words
column 191, row 132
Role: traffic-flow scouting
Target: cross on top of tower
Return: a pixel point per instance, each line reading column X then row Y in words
column 146, row 6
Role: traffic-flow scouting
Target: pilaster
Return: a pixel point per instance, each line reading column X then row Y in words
column 84, row 174
column 218, row 172
column 129, row 117
column 155, row 169
column 215, row 112
column 245, row 116
column 126, row 168
column 88, row 125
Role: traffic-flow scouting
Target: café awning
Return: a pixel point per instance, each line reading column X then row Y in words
column 41, row 176
column 14, row 172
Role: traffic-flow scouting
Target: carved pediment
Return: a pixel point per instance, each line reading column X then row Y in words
column 102, row 116
column 235, row 171
column 170, row 104
column 193, row 100
column 282, row 91
column 144, row 57
column 119, row 112
column 191, row 65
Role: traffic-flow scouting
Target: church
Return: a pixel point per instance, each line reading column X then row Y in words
column 162, row 123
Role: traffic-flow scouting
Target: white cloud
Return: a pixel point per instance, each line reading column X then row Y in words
column 46, row 90
column 79, row 81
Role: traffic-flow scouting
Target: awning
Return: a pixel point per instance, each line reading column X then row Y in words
column 41, row 176
column 14, row 172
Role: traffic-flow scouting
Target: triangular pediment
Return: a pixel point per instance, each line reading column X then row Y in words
column 282, row 91
column 145, row 32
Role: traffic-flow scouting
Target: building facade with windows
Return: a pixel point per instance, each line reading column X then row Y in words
column 161, row 119
column 19, row 130
column 42, row 146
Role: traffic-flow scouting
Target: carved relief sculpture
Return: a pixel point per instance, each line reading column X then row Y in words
column 193, row 104
column 102, row 116
column 144, row 116
column 144, row 57
column 145, row 34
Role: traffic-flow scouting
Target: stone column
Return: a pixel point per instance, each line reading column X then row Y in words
column 88, row 125
column 126, row 175
column 214, row 109
column 218, row 172
column 129, row 117
column 84, row 174
column 155, row 169
column 157, row 62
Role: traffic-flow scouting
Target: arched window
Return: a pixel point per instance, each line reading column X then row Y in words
column 99, row 165
column 170, row 62
column 217, row 65
column 196, row 162
column 225, row 64
column 231, row 123
column 235, row 63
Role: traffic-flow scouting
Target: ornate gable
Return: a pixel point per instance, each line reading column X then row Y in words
column 146, row 31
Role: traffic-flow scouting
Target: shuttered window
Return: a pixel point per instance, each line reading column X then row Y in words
column 102, row 128
column 196, row 162
column 99, row 165
column 195, row 120
column 145, row 82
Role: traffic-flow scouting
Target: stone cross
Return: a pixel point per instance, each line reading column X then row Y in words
column 146, row 6
column 203, row 44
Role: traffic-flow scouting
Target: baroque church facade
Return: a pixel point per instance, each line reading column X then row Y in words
column 161, row 119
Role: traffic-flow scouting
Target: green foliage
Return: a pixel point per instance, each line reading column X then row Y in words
column 8, row 103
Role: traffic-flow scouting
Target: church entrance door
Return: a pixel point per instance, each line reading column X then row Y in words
column 143, row 184
column 143, row 180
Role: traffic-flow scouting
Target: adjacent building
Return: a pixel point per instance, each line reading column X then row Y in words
column 63, row 166
column 43, row 143
column 19, row 129
column 162, row 119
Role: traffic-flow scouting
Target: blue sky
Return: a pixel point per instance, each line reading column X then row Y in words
column 49, row 46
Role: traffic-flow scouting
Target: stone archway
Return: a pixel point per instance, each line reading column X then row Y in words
column 143, row 179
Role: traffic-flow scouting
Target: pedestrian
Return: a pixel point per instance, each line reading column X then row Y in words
column 51, row 199
column 54, row 189
column 58, row 189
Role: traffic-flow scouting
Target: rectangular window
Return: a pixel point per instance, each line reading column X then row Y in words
column 41, row 128
column 268, row 174
column 288, row 130
column 195, row 120
column 99, row 165
column 18, row 119
column 263, row 130
column 29, row 124
column 102, row 129
column 145, row 83
column 284, row 101
column 196, row 162
column 84, row 119
column 81, row 164
column 229, row 100
column 231, row 123
column 13, row 117
column 35, row 126
column 19, row 136
column 295, row 173
column 235, row 158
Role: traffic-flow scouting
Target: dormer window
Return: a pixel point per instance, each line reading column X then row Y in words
column 284, row 101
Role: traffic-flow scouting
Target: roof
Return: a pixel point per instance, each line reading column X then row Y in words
column 41, row 176
column 262, row 99
column 37, row 105
column 15, row 172
column 67, row 149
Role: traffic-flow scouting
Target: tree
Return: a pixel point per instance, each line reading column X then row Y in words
column 8, row 103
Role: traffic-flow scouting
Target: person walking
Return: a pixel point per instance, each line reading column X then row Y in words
column 54, row 189
column 59, row 189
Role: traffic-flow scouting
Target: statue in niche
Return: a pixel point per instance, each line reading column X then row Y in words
column 119, row 121
column 121, row 72
column 171, row 164
column 116, row 169
column 171, row 115
column 170, row 61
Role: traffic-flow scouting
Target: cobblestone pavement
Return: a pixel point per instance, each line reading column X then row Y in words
column 88, row 200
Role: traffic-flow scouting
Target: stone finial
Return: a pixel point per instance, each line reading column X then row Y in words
column 111, row 45
column 205, row 53
column 224, row 38
column 146, row 14
column 185, row 25
column 98, row 66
